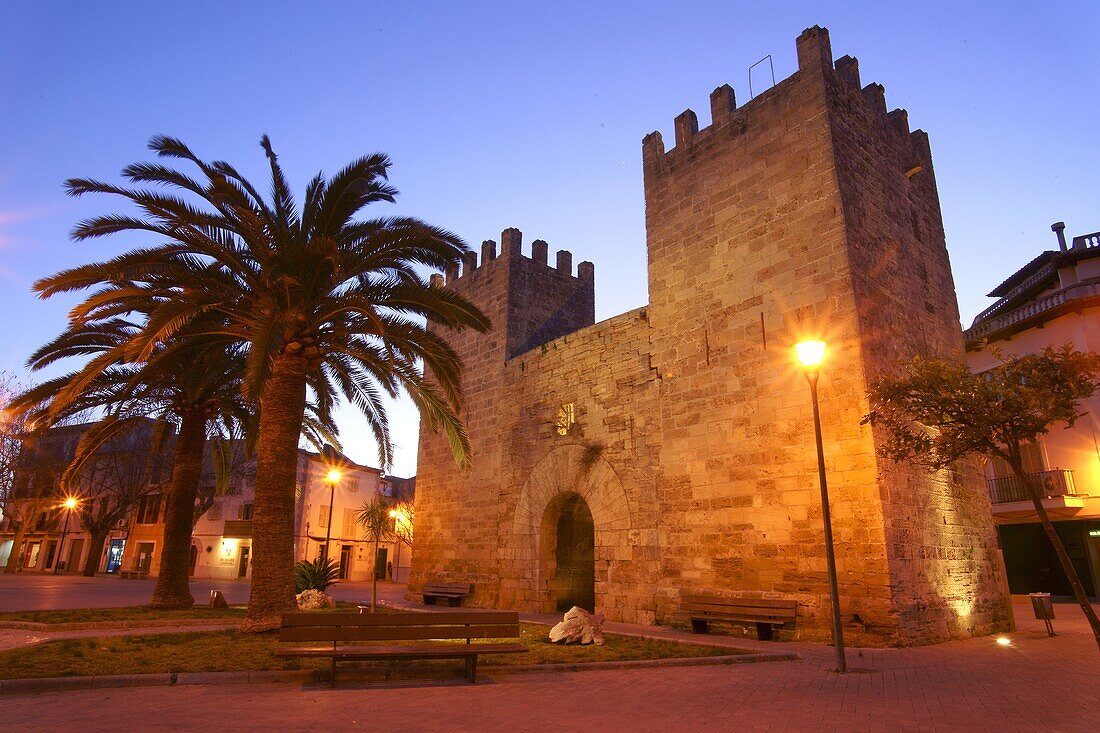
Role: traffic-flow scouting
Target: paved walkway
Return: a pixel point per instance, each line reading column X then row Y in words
column 32, row 592
column 1036, row 684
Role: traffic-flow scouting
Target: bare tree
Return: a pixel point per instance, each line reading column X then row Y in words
column 111, row 476
column 25, row 496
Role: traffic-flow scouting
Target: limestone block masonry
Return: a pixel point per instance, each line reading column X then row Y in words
column 684, row 428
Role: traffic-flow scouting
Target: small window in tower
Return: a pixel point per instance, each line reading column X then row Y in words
column 566, row 418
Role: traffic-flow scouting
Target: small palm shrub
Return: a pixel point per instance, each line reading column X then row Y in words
column 316, row 575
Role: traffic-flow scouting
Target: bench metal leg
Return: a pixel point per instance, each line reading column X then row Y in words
column 471, row 668
column 764, row 631
column 332, row 674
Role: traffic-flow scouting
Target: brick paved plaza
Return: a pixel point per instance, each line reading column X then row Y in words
column 1036, row 684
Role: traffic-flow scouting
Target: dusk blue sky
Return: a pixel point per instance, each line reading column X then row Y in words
column 525, row 115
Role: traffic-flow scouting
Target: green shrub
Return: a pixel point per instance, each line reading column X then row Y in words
column 316, row 575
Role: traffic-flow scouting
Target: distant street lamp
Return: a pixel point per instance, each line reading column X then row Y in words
column 68, row 505
column 811, row 354
column 331, row 478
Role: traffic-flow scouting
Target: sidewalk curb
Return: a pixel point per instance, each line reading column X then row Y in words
column 66, row 684
column 644, row 663
column 96, row 625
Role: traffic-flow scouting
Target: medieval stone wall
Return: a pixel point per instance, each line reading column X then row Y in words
column 684, row 426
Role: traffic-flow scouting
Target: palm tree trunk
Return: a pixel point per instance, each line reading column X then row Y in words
column 282, row 406
column 95, row 552
column 172, row 589
column 1059, row 549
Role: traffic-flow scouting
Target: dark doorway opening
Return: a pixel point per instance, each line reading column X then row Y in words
column 242, row 567
column 192, row 560
column 569, row 557
column 381, row 557
column 345, row 562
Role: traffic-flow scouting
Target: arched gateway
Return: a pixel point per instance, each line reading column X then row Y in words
column 571, row 515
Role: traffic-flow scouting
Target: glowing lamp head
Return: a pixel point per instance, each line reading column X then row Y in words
column 393, row 513
column 333, row 476
column 810, row 354
column 69, row 503
column 1004, row 641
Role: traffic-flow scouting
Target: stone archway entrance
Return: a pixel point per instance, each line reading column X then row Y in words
column 568, row 552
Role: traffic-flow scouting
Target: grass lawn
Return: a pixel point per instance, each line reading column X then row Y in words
column 224, row 651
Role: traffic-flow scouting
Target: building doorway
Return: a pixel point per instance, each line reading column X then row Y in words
column 114, row 555
column 569, row 553
column 30, row 555
column 381, row 557
column 345, row 562
column 192, row 560
column 76, row 549
column 242, row 564
column 51, row 551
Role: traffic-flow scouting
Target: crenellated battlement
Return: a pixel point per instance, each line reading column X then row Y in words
column 814, row 61
column 512, row 248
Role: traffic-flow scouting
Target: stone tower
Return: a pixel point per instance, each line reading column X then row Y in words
column 670, row 450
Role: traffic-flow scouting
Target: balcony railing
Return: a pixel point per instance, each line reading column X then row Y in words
column 1054, row 482
column 1058, row 298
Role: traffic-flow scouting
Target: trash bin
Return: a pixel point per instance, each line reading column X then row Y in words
column 1043, row 608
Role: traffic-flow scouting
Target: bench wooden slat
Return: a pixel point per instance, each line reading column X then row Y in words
column 343, row 618
column 394, row 633
column 751, row 602
column 409, row 651
column 700, row 608
column 455, row 588
column 764, row 612
column 335, row 628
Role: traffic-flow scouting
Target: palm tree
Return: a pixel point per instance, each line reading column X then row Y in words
column 323, row 302
column 374, row 515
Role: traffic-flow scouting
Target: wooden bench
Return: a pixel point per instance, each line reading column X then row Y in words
column 343, row 630
column 453, row 593
column 134, row 574
column 764, row 612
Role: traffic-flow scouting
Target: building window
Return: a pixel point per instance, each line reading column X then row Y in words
column 567, row 417
column 322, row 521
column 349, row 524
column 1032, row 455
column 245, row 512
column 148, row 509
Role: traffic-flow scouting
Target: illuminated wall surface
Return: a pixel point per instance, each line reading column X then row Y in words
column 684, row 427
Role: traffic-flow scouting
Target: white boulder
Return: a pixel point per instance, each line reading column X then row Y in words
column 309, row 600
column 578, row 627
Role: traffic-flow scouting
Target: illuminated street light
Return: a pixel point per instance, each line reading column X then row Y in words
column 811, row 355
column 68, row 505
column 332, row 478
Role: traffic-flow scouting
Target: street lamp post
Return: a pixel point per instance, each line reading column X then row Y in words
column 396, row 516
column 69, row 504
column 332, row 478
column 811, row 354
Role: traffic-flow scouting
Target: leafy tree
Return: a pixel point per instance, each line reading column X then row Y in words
column 939, row 411
column 323, row 302
column 374, row 515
